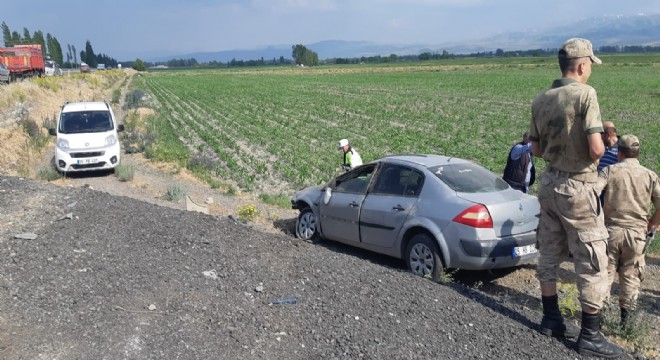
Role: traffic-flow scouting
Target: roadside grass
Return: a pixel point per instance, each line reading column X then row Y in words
column 37, row 140
column 654, row 248
column 137, row 136
column 636, row 334
column 116, row 96
column 279, row 200
column 166, row 146
column 48, row 82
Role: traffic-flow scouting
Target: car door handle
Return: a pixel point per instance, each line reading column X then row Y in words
column 398, row 208
column 353, row 204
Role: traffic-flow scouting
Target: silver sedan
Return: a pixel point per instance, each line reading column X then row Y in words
column 434, row 212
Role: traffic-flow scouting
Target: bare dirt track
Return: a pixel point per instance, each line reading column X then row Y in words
column 132, row 275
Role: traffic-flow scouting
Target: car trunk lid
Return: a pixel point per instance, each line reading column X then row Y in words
column 512, row 212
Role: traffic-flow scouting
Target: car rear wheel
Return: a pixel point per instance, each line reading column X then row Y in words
column 423, row 257
column 306, row 225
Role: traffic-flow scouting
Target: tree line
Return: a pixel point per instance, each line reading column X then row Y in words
column 52, row 49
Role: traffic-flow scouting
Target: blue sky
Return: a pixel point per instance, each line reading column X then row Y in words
column 126, row 29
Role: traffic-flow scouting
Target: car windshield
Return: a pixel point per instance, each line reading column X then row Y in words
column 85, row 122
column 468, row 178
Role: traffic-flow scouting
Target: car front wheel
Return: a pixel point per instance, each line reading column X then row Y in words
column 423, row 257
column 306, row 225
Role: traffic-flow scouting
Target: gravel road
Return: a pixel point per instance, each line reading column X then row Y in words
column 110, row 277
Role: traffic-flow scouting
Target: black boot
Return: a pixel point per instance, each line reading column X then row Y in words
column 626, row 315
column 592, row 342
column 553, row 323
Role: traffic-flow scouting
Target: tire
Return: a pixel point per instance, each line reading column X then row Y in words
column 423, row 257
column 307, row 225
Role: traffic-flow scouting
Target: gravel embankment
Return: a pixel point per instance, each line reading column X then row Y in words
column 125, row 279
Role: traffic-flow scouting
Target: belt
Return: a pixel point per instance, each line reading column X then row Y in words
column 579, row 176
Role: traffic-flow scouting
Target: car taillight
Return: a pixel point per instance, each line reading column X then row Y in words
column 475, row 216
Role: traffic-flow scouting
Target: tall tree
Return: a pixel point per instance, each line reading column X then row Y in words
column 69, row 56
column 38, row 38
column 27, row 39
column 55, row 50
column 73, row 52
column 90, row 57
column 303, row 56
column 6, row 35
column 49, row 44
column 15, row 38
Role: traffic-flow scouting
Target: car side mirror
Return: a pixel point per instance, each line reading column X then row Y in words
column 327, row 195
column 52, row 131
column 120, row 127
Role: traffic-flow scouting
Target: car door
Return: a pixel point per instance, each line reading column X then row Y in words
column 386, row 207
column 340, row 215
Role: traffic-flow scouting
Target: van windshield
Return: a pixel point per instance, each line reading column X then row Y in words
column 85, row 122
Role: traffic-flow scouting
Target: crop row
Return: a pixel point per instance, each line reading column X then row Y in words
column 282, row 127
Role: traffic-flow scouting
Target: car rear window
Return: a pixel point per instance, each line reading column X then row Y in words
column 468, row 178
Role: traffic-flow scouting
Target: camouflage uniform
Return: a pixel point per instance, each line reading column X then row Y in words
column 628, row 195
column 571, row 216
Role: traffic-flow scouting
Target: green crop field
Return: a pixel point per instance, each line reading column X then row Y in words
column 275, row 130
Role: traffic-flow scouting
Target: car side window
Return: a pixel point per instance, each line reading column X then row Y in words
column 398, row 180
column 356, row 180
column 414, row 180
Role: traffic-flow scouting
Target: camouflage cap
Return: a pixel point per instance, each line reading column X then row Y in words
column 577, row 48
column 628, row 142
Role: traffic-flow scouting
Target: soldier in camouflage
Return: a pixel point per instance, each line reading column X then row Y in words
column 566, row 132
column 630, row 188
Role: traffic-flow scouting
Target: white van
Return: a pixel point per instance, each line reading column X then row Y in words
column 86, row 137
column 51, row 68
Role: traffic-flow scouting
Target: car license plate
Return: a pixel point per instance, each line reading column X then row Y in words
column 87, row 161
column 519, row 251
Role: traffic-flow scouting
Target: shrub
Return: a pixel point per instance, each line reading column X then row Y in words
column 176, row 192
column 116, row 95
column 247, row 212
column 133, row 99
column 48, row 173
column 569, row 302
column 125, row 172
column 38, row 139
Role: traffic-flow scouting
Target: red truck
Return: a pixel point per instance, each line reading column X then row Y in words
column 23, row 60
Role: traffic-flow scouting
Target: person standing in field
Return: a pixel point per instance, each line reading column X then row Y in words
column 519, row 171
column 566, row 132
column 611, row 149
column 630, row 188
column 350, row 157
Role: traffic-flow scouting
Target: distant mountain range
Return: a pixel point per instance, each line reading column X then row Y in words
column 641, row 30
